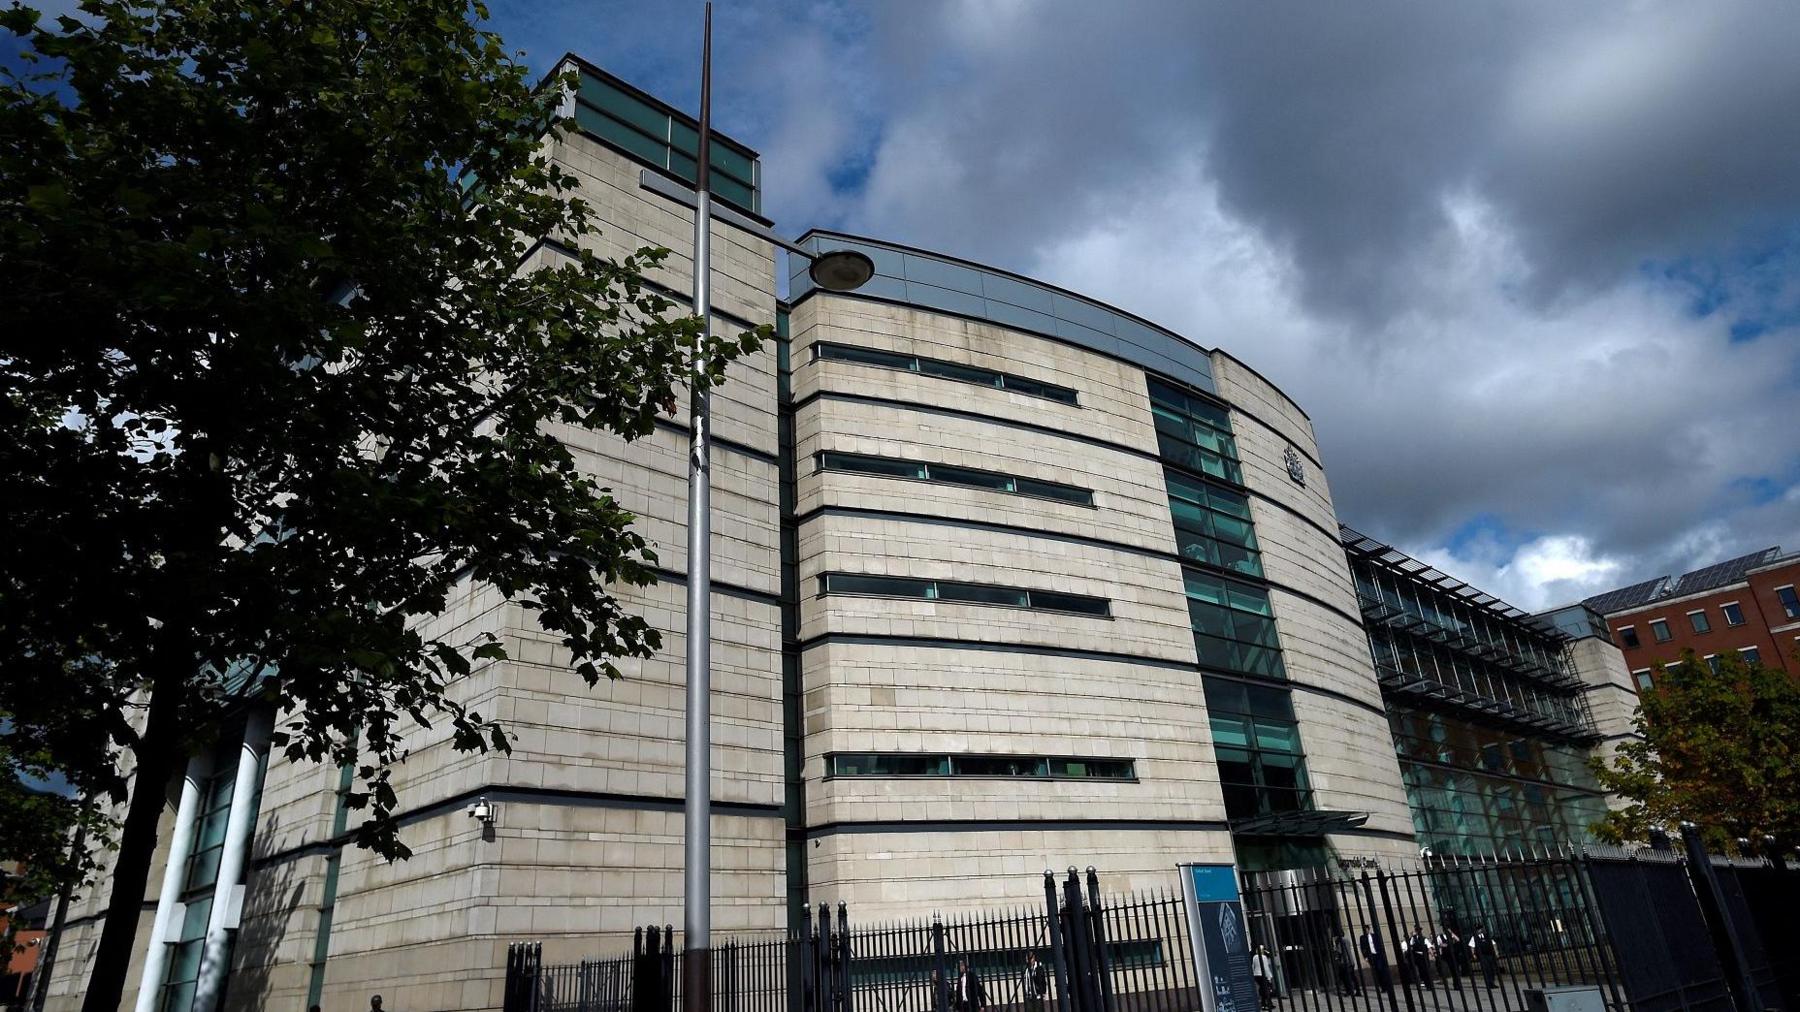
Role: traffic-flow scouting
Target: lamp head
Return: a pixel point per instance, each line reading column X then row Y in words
column 841, row 270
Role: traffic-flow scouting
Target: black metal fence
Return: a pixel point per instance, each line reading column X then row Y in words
column 1080, row 952
column 1649, row 930
column 1462, row 935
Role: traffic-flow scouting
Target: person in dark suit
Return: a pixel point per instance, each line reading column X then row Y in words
column 1343, row 959
column 1037, row 983
column 1369, row 944
column 968, row 995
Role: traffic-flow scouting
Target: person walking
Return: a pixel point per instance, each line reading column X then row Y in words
column 1343, row 958
column 1420, row 951
column 1262, row 968
column 1486, row 955
column 970, row 997
column 1369, row 944
column 1037, row 983
column 375, row 1003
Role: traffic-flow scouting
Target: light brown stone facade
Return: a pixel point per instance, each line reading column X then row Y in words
column 586, row 841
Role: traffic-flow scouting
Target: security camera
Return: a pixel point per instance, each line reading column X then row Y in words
column 483, row 811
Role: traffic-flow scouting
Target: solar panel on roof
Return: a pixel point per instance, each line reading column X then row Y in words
column 1720, row 574
column 1625, row 597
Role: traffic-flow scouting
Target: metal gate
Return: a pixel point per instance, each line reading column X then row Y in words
column 1664, row 946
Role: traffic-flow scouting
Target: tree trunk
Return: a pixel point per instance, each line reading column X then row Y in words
column 157, row 756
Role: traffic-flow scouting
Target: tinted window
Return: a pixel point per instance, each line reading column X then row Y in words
column 862, row 464
column 885, row 586
column 880, row 764
column 977, row 594
column 944, row 370
column 1069, row 602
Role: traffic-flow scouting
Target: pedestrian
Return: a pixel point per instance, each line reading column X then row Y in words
column 312, row 1008
column 1262, row 968
column 1420, row 951
column 375, row 1003
column 1369, row 944
column 969, row 994
column 1037, row 983
column 937, row 999
column 1343, row 957
column 1485, row 954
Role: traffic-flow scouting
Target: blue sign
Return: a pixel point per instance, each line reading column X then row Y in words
column 1221, row 944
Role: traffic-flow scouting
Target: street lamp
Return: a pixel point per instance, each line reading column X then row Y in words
column 841, row 270
column 835, row 271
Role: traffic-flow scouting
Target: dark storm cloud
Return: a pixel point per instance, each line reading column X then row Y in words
column 1497, row 250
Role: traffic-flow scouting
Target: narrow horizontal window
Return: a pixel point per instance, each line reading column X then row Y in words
column 975, row 593
column 968, row 593
column 864, row 464
column 969, row 477
column 944, row 370
column 1079, row 603
column 1036, row 767
column 877, row 586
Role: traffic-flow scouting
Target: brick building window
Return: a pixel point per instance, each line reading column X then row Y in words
column 1790, row 602
column 1628, row 636
column 1698, row 620
column 1659, row 628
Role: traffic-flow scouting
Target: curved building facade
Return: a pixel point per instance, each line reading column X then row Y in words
column 1005, row 579
column 1070, row 592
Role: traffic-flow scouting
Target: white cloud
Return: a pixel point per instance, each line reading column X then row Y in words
column 1541, row 573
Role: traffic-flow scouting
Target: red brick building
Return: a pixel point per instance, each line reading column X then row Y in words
column 1750, row 604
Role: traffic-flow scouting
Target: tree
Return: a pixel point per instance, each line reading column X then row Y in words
column 272, row 382
column 1720, row 749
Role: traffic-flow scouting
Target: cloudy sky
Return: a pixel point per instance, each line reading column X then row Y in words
column 1533, row 268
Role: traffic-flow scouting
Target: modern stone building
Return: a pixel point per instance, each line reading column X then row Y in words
column 1004, row 579
column 1494, row 712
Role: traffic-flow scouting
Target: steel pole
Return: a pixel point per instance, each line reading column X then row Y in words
column 697, row 808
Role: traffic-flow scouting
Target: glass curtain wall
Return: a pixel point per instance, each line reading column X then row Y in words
column 1256, row 740
column 1475, row 789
